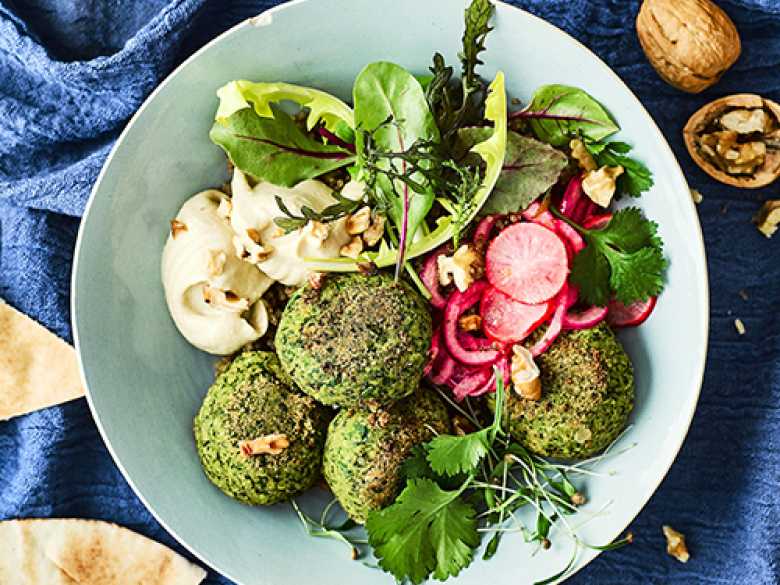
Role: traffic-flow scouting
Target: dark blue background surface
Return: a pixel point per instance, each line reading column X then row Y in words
column 73, row 71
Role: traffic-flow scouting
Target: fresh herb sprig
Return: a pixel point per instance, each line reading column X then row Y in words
column 459, row 488
column 625, row 259
column 291, row 222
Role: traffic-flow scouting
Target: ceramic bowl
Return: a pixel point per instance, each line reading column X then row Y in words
column 145, row 382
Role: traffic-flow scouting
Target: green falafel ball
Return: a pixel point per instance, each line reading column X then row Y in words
column 250, row 399
column 587, row 395
column 365, row 450
column 358, row 340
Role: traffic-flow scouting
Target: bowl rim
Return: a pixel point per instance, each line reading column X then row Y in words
column 265, row 17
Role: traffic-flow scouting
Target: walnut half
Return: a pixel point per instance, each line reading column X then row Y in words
column 736, row 140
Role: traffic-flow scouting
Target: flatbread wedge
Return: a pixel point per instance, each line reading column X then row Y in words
column 37, row 368
column 87, row 552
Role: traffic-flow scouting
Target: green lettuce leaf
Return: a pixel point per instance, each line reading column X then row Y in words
column 558, row 113
column 275, row 149
column 385, row 91
column 530, row 168
column 236, row 95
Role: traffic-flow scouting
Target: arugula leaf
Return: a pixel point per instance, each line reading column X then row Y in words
column 426, row 531
column 530, row 168
column 477, row 19
column 275, row 149
column 625, row 258
column 558, row 113
column 390, row 103
column 636, row 179
column 453, row 106
column 290, row 221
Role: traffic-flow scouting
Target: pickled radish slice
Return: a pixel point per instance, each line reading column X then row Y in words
column 636, row 313
column 507, row 320
column 528, row 262
column 586, row 319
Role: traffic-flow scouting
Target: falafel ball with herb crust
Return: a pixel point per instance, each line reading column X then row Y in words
column 365, row 451
column 355, row 341
column 587, row 395
column 259, row 440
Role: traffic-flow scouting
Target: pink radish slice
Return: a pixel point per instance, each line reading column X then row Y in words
column 528, row 262
column 636, row 313
column 485, row 228
column 458, row 303
column 472, row 383
column 430, row 277
column 443, row 370
column 535, row 214
column 433, row 351
column 571, row 202
column 586, row 319
column 507, row 320
column 597, row 222
column 554, row 328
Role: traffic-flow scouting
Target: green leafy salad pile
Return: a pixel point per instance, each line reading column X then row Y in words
column 434, row 152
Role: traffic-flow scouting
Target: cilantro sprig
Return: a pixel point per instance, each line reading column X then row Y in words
column 624, row 259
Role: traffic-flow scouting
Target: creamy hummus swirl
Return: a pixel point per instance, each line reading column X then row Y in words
column 260, row 241
column 212, row 294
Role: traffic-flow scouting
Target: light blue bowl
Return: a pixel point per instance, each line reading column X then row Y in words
column 145, row 382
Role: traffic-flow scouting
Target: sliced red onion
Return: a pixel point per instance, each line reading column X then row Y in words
column 485, row 228
column 430, row 277
column 457, row 304
column 555, row 327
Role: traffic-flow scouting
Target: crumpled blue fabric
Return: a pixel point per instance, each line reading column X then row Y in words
column 73, row 71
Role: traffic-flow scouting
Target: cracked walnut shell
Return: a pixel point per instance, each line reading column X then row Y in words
column 690, row 43
column 736, row 140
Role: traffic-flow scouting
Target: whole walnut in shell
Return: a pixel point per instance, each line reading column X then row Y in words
column 736, row 140
column 690, row 43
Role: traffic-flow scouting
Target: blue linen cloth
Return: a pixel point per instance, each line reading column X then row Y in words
column 73, row 71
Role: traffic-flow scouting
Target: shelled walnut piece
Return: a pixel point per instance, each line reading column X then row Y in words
column 736, row 140
column 768, row 217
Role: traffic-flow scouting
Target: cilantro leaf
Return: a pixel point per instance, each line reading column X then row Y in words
column 590, row 274
column 638, row 275
column 427, row 530
column 625, row 258
column 451, row 455
column 636, row 177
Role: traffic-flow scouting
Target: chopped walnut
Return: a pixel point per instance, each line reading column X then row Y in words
column 225, row 300
column 375, row 231
column 768, row 217
column 254, row 235
column 358, row 222
column 580, row 153
column 470, row 323
column 745, row 121
column 461, row 425
column 353, row 248
column 600, row 185
column 252, row 252
column 217, row 260
column 525, row 374
column 696, row 196
column 177, row 227
column 317, row 230
column 272, row 444
column 463, row 267
column 225, row 208
column 316, row 280
column 583, row 435
column 739, row 326
column 675, row 544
